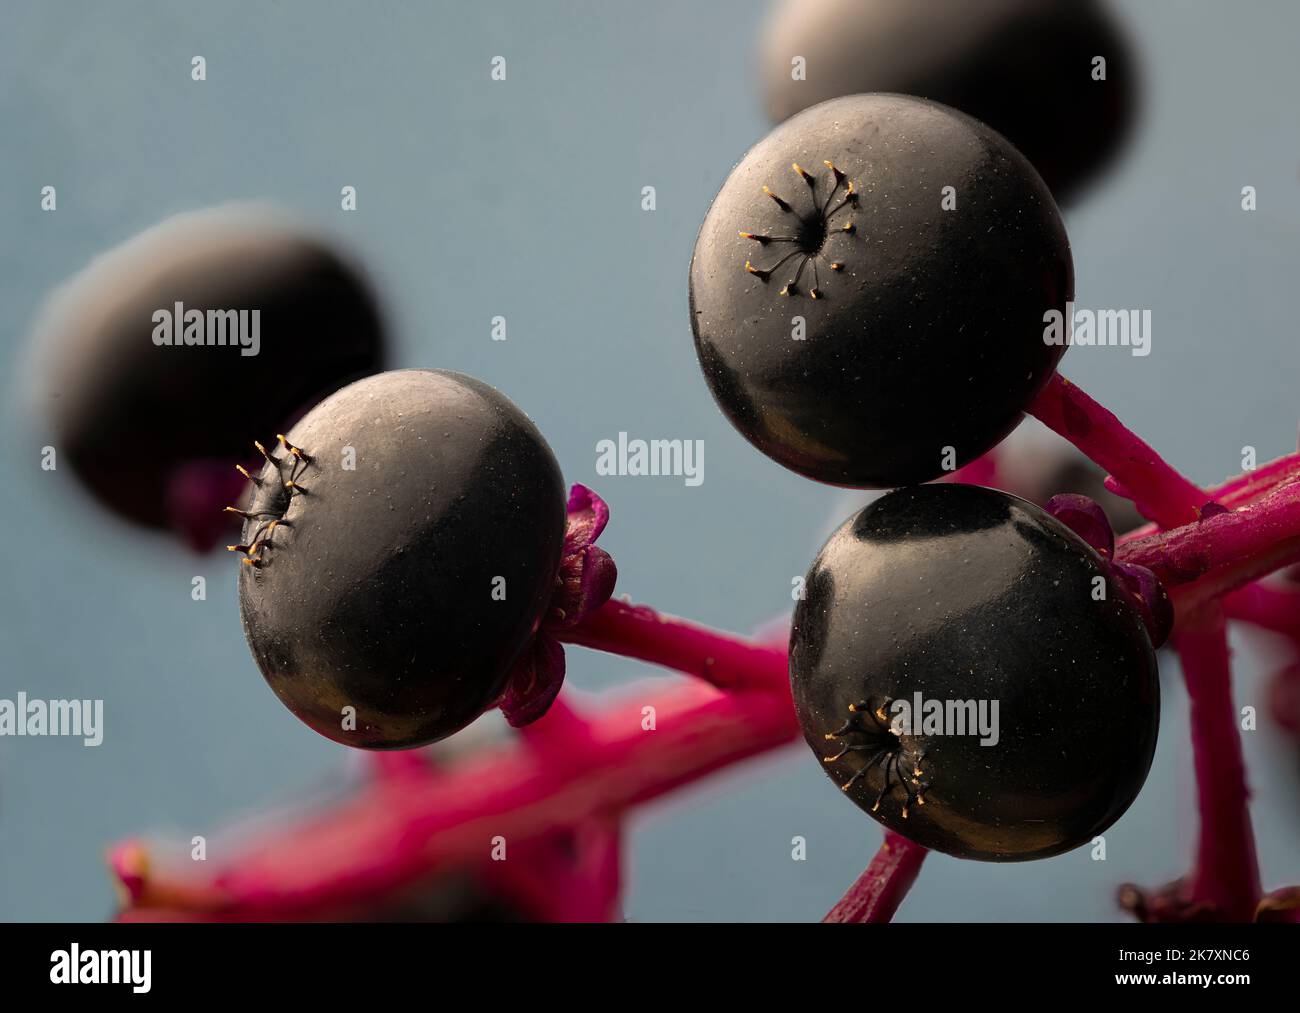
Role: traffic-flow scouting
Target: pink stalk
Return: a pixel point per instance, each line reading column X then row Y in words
column 1223, row 551
column 1158, row 491
column 638, row 631
column 397, row 835
column 1241, row 490
column 981, row 471
column 401, row 764
column 1271, row 608
column 878, row 891
column 1227, row 875
column 1251, row 484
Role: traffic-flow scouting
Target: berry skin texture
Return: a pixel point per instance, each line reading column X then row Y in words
column 962, row 593
column 374, row 589
column 922, row 328
column 129, row 415
column 1025, row 67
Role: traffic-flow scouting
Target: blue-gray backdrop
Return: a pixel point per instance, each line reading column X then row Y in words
column 522, row 199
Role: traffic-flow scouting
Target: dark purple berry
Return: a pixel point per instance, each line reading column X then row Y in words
column 852, row 328
column 401, row 546
column 1025, row 67
column 974, row 599
column 146, row 426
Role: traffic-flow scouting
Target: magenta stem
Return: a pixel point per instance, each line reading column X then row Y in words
column 1219, row 552
column 1275, row 609
column 1157, row 490
column 1227, row 871
column 401, row 832
column 981, row 471
column 876, row 894
column 720, row 659
column 1241, row 490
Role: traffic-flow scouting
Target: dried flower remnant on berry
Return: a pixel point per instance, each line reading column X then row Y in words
column 584, row 583
column 269, row 510
column 812, row 231
column 1088, row 520
column 883, row 744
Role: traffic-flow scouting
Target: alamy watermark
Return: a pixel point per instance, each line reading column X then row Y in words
column 623, row 456
column 920, row 716
column 1124, row 328
column 179, row 326
column 75, row 966
column 83, row 719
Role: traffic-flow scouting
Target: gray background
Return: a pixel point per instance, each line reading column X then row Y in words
column 522, row 199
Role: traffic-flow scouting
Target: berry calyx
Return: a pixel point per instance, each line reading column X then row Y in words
column 803, row 246
column 971, row 674
column 584, row 583
column 1088, row 520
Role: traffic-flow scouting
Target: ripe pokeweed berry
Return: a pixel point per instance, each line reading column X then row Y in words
column 971, row 674
column 852, row 322
column 400, row 547
column 1028, row 68
column 162, row 360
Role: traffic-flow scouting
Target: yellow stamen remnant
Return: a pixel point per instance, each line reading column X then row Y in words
column 296, row 451
column 779, row 202
column 809, row 241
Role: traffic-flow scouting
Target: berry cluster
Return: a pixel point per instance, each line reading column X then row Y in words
column 976, row 672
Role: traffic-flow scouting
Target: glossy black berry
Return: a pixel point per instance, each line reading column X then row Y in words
column 974, row 598
column 1026, row 67
column 858, row 323
column 401, row 546
column 129, row 413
